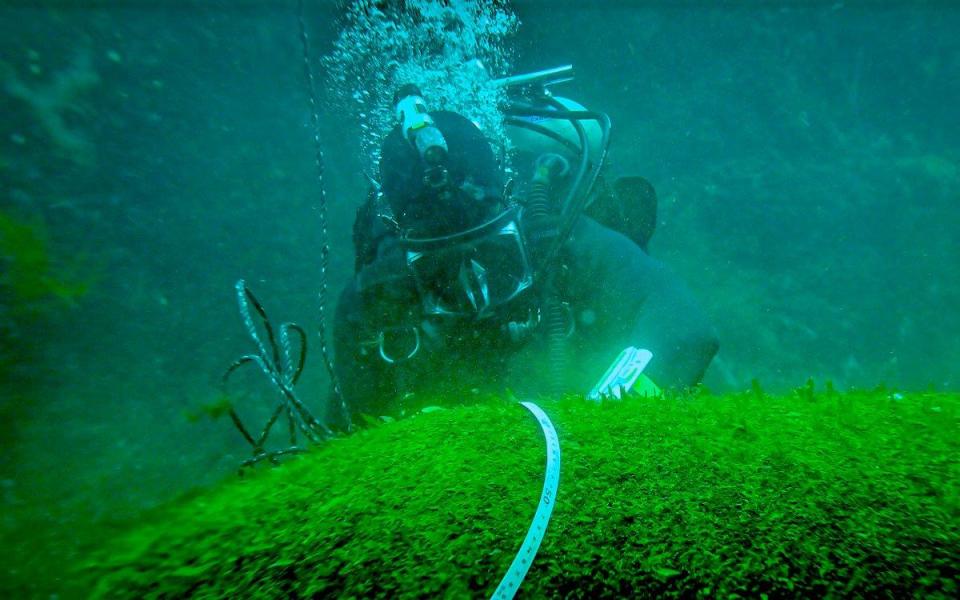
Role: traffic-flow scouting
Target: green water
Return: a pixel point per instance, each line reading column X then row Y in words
column 807, row 161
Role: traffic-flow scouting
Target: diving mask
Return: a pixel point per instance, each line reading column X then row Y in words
column 472, row 273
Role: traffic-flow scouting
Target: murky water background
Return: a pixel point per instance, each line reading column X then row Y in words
column 806, row 160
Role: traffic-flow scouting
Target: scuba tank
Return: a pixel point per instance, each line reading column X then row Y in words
column 532, row 107
column 629, row 204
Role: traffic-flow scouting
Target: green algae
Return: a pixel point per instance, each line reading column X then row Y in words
column 814, row 493
column 29, row 274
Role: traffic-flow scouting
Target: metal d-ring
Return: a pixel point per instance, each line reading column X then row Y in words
column 411, row 354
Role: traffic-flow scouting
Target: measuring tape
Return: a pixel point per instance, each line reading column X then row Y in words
column 521, row 563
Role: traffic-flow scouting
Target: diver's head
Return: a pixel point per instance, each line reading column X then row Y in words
column 431, row 199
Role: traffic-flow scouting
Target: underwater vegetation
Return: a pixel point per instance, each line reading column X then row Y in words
column 35, row 283
column 30, row 278
column 808, row 494
column 38, row 285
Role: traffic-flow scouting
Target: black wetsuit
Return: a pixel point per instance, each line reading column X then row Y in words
column 619, row 296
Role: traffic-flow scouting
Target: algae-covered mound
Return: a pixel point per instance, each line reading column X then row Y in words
column 811, row 495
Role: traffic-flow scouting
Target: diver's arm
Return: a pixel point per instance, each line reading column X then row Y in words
column 647, row 305
column 672, row 325
column 364, row 382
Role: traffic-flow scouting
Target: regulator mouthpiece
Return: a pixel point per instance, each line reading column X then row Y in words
column 417, row 125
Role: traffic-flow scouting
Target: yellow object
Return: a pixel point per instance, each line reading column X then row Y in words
column 646, row 387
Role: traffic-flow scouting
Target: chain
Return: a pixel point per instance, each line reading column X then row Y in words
column 322, row 213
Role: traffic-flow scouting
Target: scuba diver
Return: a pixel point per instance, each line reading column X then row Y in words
column 469, row 282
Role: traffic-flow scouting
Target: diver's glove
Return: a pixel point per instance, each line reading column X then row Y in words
column 625, row 376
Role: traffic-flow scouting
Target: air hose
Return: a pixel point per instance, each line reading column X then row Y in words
column 537, row 213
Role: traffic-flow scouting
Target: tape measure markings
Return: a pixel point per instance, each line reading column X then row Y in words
column 528, row 550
